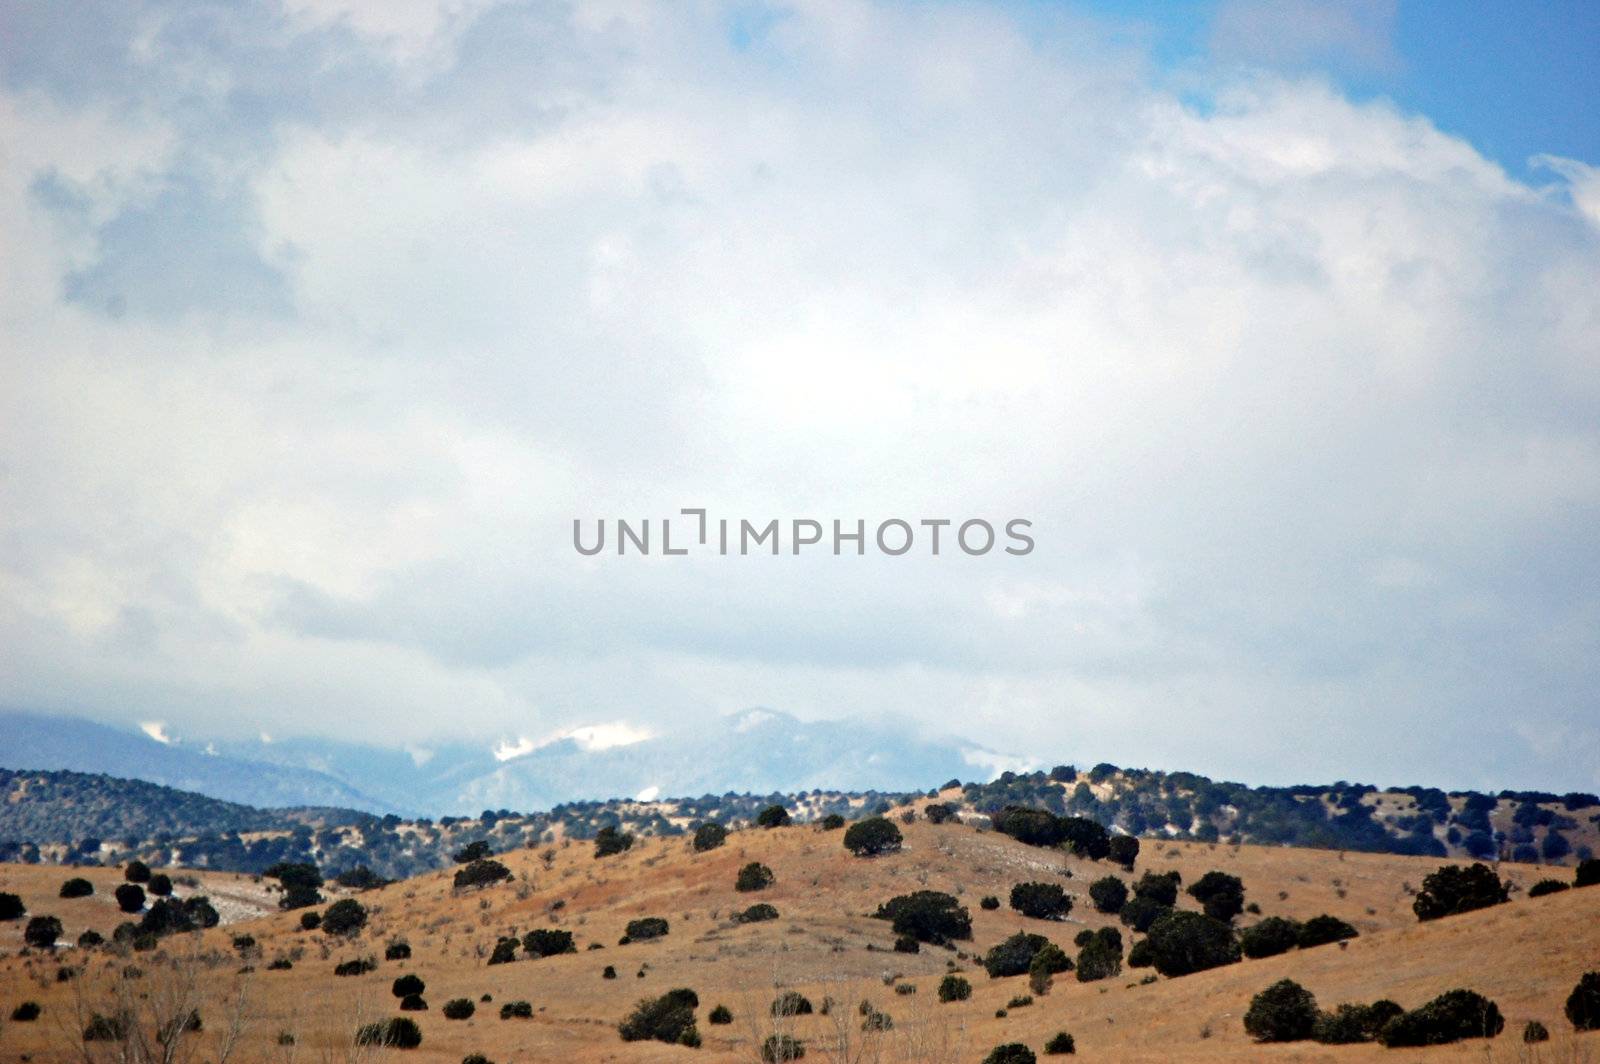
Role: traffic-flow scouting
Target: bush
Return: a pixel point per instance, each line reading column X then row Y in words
column 11, row 907
column 1588, row 873
column 1283, row 1012
column 1100, row 957
column 1050, row 960
column 709, row 837
column 773, row 816
column 1450, row 1017
column 398, row 950
column 663, row 1019
column 1220, row 895
column 647, row 928
column 989, row 902
column 610, row 972
column 791, row 1003
column 476, row 1058
column 928, row 916
column 459, row 1009
column 1010, row 1053
column 758, row 913
column 1270, row 937
column 720, row 1016
column 77, row 887
column 1042, row 901
column 359, row 966
column 1183, row 942
column 1321, row 930
column 1140, row 914
column 1141, row 955
column 26, row 1012
column 344, row 917
column 505, row 950
column 781, row 1047
column 160, row 885
column 1124, row 850
column 1161, row 889
column 90, row 939
column 1014, row 955
column 872, row 837
column 480, row 873
column 310, row 921
column 1347, row 1025
column 939, row 812
column 1085, row 837
column 752, row 877
column 42, row 932
column 1583, row 1004
column 398, row 1033
column 548, row 942
column 516, row 1010
column 360, row 878
column 608, row 841
column 130, row 898
column 136, row 872
column 408, row 984
column 105, row 1028
column 413, row 1003
column 1547, row 886
column 954, row 988
column 1453, row 889
column 1061, row 1043
column 1109, row 893
column 472, row 851
column 832, row 822
column 1535, row 1032
column 1036, row 827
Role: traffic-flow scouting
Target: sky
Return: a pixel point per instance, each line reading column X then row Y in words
column 321, row 321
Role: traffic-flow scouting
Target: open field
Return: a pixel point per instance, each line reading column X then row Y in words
column 1525, row 955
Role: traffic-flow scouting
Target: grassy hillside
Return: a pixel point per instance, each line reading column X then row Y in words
column 1526, row 955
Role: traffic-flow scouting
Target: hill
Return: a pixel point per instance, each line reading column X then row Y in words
column 1525, row 955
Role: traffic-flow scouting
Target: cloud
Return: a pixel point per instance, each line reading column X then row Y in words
column 1299, row 391
column 157, row 730
column 1296, row 34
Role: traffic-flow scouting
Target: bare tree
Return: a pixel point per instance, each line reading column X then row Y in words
column 152, row 1013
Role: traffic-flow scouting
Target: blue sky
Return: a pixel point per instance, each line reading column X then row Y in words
column 321, row 320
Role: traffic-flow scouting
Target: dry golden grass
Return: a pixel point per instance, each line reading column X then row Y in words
column 1526, row 956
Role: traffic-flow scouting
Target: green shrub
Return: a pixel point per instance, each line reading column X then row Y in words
column 459, row 1009
column 758, row 913
column 90, row 939
column 939, row 812
column 1583, row 1004
column 476, row 1058
column 1185, row 942
column 989, row 902
column 77, row 887
column 408, row 984
column 1100, row 956
column 1270, row 937
column 1050, row 960
column 646, row 928
column 480, row 873
column 505, row 950
column 11, row 907
column 105, row 1028
column 413, row 1003
column 907, row 944
column 872, row 837
column 1042, row 901
column 1014, row 955
column 1321, row 930
column 130, row 898
column 1453, row 889
column 398, row 950
column 1450, row 1017
column 1109, row 893
column 26, row 1012
column 1547, row 886
column 42, row 932
column 779, row 1048
column 754, row 876
column 358, row 966
column 1061, row 1043
column 773, row 816
column 310, row 921
column 136, row 872
column 473, row 851
column 1010, row 1053
column 791, row 1003
column 954, row 988
column 1283, row 1012
column 1160, row 888
column 832, row 822
column 1140, row 914
column 1141, row 955
column 1587, row 873
column 709, row 836
column 1535, row 1032
column 1124, row 850
column 398, row 1033
column 720, row 1016
column 344, row 917
column 928, row 916
column 1219, row 894
column 608, row 841
column 548, row 942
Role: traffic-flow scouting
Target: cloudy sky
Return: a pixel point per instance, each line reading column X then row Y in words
column 321, row 320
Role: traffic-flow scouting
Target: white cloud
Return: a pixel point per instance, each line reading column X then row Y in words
column 156, row 730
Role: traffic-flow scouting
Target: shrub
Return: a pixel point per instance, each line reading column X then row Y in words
column 1141, row 955
column 1185, row 942
column 939, row 812
column 360, row 878
column 505, row 950
column 77, row 887
column 1061, row 1043
column 647, row 928
column 1450, row 1017
column 709, row 837
column 130, row 898
column 413, row 1003
column 720, row 1016
column 398, row 1033
column 662, row 1019
column 398, row 950
column 754, row 876
column 459, row 1009
column 1547, row 886
column 1100, row 957
column 359, row 966
column 928, row 916
column 1535, row 1032
column 11, row 907
column 791, row 1003
column 480, row 873
column 1036, row 827
column 1588, row 873
column 476, row 1058
column 610, row 972
column 408, row 984
column 548, row 942
column 1161, row 889
column 472, row 851
column 1453, row 889
column 1010, row 1053
column 781, row 1047
column 1014, row 955
column 300, row 881
column 832, row 822
column 1140, row 914
column 773, row 816
column 42, row 932
column 1583, row 1004
column 344, row 917
column 310, row 921
column 1346, row 1025
column 1124, row 850
column 136, row 872
column 872, row 837
column 160, row 885
column 989, row 902
column 1050, row 960
column 105, row 1028
column 1219, row 894
column 954, row 988
column 1109, row 893
column 1043, row 901
column 1321, row 930
column 1283, row 1012
column 90, row 939
column 26, row 1012
column 758, row 913
column 1270, row 937
column 1085, row 837
column 609, row 841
